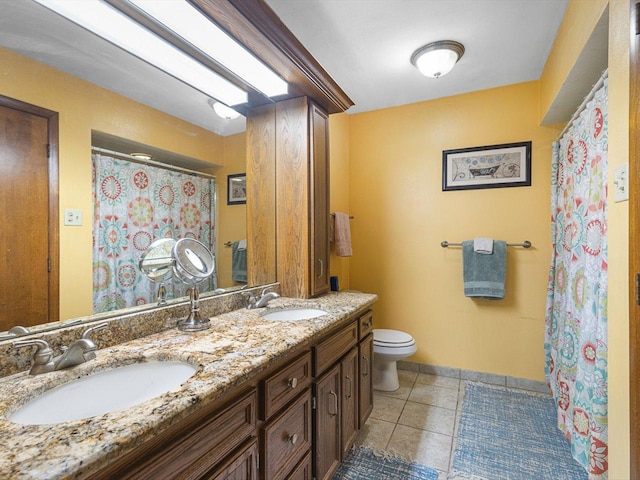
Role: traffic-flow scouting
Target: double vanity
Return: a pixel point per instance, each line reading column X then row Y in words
column 275, row 392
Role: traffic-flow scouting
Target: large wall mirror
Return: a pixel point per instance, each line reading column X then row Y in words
column 110, row 99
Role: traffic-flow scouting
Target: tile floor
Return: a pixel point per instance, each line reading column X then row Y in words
column 419, row 420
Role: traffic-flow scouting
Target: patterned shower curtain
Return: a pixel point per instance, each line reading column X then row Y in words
column 135, row 204
column 576, row 318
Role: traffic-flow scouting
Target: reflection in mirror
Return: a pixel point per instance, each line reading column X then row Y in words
column 156, row 264
column 122, row 98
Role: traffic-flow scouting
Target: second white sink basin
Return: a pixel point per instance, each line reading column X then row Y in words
column 103, row 392
column 292, row 314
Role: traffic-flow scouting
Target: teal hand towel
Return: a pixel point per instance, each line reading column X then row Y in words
column 484, row 275
column 238, row 263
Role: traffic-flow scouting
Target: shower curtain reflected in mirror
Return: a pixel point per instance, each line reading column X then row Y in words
column 576, row 320
column 135, row 204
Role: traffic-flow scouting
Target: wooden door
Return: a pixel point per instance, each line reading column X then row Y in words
column 365, row 393
column 327, row 450
column 349, row 407
column 634, row 240
column 319, row 201
column 28, row 211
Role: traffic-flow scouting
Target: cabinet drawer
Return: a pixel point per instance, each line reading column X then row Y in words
column 281, row 387
column 365, row 325
column 302, row 470
column 241, row 466
column 287, row 439
column 330, row 350
column 193, row 450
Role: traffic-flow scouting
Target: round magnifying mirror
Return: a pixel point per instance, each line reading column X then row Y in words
column 194, row 262
column 157, row 260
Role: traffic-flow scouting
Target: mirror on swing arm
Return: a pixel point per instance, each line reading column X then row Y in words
column 188, row 260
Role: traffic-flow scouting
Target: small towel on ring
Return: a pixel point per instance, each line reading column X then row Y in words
column 484, row 275
column 483, row 245
column 340, row 234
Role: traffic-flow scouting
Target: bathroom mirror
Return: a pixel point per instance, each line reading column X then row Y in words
column 22, row 30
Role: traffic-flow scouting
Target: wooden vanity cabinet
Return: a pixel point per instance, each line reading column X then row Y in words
column 296, row 421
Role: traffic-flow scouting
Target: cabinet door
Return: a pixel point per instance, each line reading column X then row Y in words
column 365, row 386
column 327, row 449
column 349, row 407
column 319, row 201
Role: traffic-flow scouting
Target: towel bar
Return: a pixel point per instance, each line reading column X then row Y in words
column 525, row 244
column 351, row 217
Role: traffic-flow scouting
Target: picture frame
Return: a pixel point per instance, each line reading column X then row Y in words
column 237, row 189
column 491, row 166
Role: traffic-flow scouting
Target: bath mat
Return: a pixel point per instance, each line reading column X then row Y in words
column 365, row 464
column 511, row 435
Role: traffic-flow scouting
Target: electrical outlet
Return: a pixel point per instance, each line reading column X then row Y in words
column 621, row 183
column 72, row 217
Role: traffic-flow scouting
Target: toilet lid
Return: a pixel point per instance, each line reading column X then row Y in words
column 391, row 338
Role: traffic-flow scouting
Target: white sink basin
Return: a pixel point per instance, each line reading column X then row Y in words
column 292, row 314
column 103, row 392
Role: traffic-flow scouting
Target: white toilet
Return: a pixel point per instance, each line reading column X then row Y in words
column 389, row 346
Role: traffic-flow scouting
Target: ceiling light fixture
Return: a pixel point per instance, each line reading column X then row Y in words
column 141, row 156
column 115, row 27
column 189, row 23
column 223, row 111
column 438, row 58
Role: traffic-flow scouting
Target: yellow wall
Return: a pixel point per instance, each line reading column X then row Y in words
column 618, row 237
column 577, row 25
column 233, row 217
column 84, row 107
column 339, row 187
column 402, row 215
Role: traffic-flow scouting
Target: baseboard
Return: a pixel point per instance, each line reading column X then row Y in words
column 470, row 375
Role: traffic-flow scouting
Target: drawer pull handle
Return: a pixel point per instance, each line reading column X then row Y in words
column 350, row 391
column 293, row 439
column 293, row 382
column 335, row 404
column 321, row 268
column 365, row 370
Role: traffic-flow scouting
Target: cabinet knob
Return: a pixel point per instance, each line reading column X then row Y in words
column 293, row 439
column 293, row 382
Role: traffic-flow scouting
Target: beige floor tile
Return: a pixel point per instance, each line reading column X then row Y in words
column 403, row 392
column 428, row 417
column 387, row 408
column 407, row 376
column 432, row 395
column 375, row 434
column 445, row 382
column 428, row 448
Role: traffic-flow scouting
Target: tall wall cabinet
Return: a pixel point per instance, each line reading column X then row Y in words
column 298, row 135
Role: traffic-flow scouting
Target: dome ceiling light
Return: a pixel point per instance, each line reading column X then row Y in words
column 437, row 58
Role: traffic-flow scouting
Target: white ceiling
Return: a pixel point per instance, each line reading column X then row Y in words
column 365, row 45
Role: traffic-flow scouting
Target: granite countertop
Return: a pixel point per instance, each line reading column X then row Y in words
column 238, row 346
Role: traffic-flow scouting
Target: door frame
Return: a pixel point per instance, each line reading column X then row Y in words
column 634, row 239
column 54, row 225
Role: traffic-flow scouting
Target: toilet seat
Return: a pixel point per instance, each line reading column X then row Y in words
column 392, row 338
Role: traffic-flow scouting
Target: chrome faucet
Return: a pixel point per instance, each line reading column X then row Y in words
column 261, row 301
column 80, row 351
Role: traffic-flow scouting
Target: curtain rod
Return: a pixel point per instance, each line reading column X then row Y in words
column 152, row 163
column 583, row 105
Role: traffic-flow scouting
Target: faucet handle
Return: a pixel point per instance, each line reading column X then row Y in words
column 90, row 330
column 43, row 354
column 265, row 290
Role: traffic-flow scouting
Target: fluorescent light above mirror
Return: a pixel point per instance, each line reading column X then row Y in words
column 115, row 27
column 185, row 20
